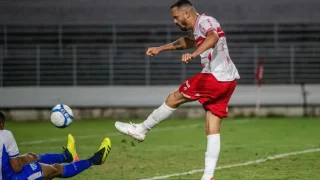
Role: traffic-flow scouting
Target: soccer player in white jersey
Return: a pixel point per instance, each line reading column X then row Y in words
column 44, row 166
column 212, row 87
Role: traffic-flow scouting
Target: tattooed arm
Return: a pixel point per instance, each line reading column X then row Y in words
column 180, row 44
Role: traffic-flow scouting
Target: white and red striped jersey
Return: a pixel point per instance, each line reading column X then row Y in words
column 215, row 60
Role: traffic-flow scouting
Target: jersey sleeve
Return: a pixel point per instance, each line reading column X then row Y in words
column 11, row 145
column 208, row 24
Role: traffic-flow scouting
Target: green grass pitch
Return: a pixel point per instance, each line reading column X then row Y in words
column 178, row 146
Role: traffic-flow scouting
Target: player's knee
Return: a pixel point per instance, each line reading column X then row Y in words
column 51, row 171
column 58, row 170
column 174, row 99
column 34, row 156
column 213, row 123
column 171, row 100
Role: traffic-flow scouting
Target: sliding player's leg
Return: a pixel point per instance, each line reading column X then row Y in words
column 68, row 170
column 39, row 171
column 68, row 155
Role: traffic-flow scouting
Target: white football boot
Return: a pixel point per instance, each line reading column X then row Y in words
column 130, row 129
column 205, row 177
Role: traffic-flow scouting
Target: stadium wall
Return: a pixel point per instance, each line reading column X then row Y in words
column 118, row 102
column 153, row 11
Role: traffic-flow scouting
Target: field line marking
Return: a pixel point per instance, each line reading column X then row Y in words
column 258, row 161
column 107, row 135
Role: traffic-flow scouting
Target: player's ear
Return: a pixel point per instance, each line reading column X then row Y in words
column 187, row 13
column 1, row 125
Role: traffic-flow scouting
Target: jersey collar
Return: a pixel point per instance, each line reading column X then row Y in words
column 194, row 26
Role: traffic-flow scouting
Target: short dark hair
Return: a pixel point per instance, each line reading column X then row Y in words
column 2, row 117
column 181, row 3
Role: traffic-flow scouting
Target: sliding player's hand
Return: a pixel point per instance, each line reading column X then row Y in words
column 187, row 57
column 153, row 51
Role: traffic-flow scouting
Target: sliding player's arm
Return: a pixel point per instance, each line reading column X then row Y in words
column 179, row 44
column 16, row 164
column 13, row 152
column 29, row 158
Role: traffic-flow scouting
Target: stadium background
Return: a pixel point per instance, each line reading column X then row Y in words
column 90, row 55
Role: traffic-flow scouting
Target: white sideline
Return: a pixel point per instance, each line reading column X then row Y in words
column 108, row 134
column 237, row 165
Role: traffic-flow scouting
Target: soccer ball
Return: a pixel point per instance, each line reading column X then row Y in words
column 61, row 116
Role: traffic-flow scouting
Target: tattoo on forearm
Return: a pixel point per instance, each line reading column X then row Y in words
column 178, row 45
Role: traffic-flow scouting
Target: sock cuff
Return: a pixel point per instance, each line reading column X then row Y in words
column 167, row 107
column 213, row 136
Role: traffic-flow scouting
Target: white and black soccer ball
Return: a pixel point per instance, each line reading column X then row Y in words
column 61, row 116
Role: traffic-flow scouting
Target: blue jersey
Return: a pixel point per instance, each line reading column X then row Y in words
column 8, row 149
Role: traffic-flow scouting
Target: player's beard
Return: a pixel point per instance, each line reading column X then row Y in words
column 183, row 26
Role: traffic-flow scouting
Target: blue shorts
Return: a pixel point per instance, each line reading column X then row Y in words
column 32, row 171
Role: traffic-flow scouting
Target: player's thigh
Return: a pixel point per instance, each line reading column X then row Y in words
column 217, row 101
column 199, row 85
column 186, row 92
column 31, row 171
column 189, row 90
column 51, row 171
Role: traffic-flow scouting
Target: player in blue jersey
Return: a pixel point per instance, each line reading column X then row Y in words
column 44, row 166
